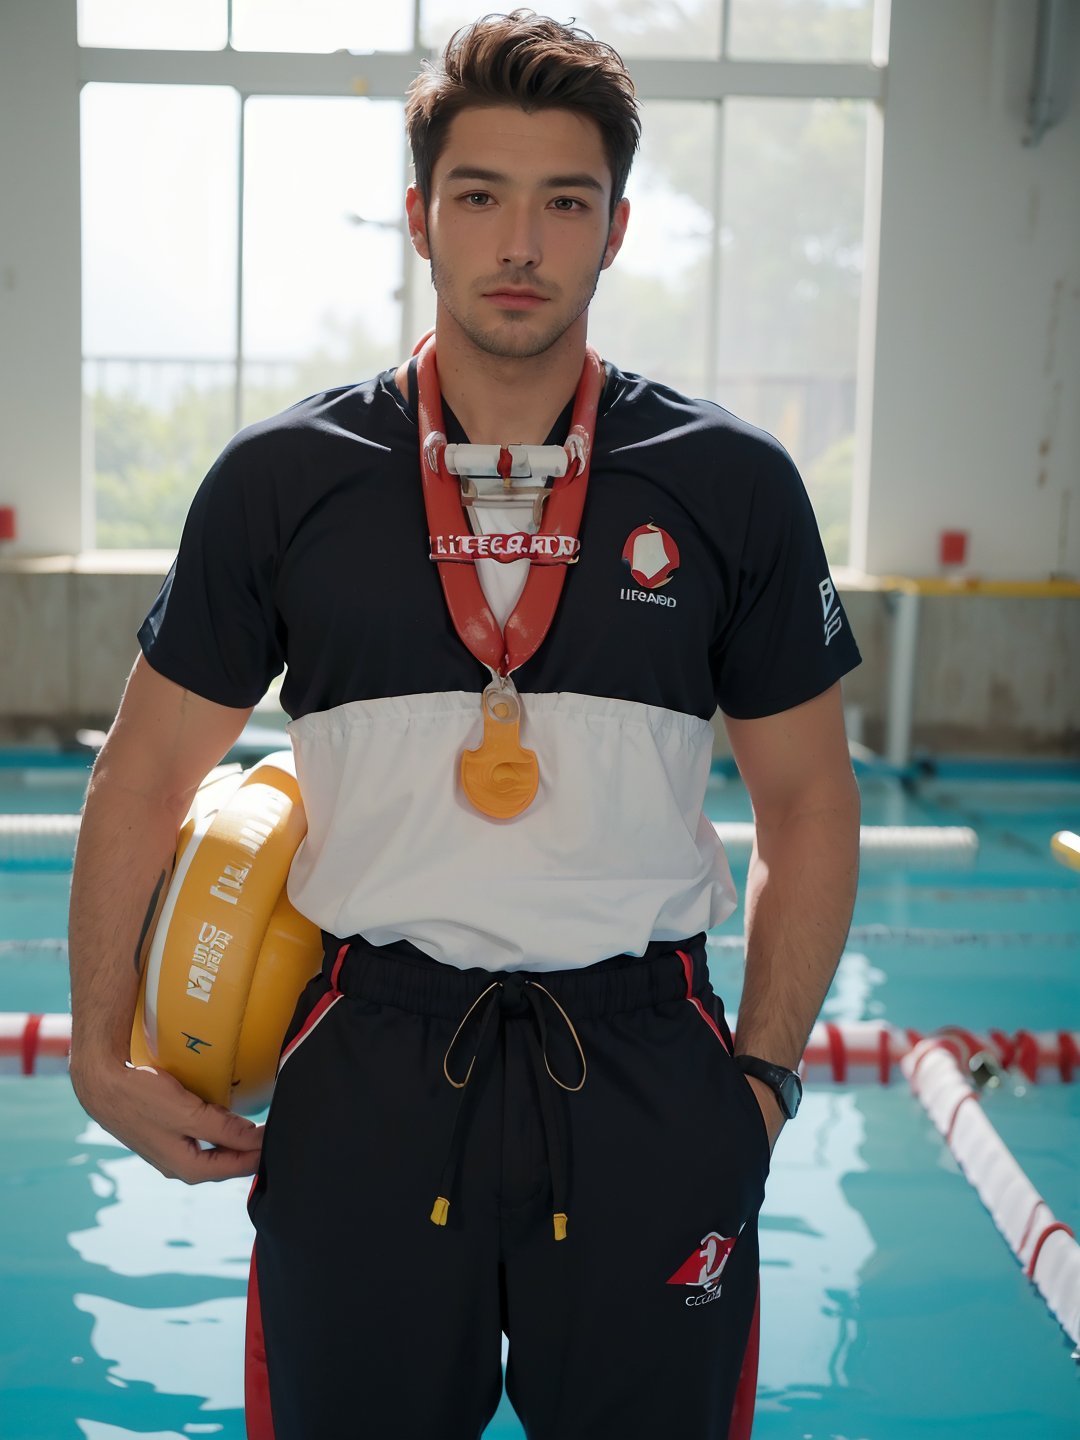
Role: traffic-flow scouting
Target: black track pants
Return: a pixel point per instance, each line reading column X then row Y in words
column 367, row 1321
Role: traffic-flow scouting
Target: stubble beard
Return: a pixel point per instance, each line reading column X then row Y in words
column 508, row 337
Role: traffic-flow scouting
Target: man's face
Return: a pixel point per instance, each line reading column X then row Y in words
column 517, row 229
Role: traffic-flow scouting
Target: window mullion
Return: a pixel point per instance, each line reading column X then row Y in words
column 713, row 283
column 238, row 380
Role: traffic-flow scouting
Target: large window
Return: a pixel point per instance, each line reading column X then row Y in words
column 323, row 245
column 159, row 298
column 244, row 241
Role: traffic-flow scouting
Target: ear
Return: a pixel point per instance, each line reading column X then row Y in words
column 616, row 234
column 416, row 216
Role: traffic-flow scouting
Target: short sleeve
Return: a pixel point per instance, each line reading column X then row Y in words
column 786, row 637
column 214, row 628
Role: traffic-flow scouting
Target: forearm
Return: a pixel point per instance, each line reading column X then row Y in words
column 163, row 742
column 123, row 861
column 799, row 896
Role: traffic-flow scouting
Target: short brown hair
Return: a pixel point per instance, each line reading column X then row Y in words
column 527, row 60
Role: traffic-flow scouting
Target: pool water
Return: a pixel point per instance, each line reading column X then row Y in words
column 891, row 1306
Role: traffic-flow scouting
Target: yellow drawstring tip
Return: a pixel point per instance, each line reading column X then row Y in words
column 560, row 1226
column 440, row 1211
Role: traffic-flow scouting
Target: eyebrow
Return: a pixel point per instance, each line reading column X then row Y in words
column 551, row 182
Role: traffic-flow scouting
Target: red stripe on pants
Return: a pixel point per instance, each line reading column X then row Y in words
column 260, row 1422
column 688, row 971
column 742, row 1412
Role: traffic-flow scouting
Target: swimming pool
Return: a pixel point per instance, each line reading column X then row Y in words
column 891, row 1306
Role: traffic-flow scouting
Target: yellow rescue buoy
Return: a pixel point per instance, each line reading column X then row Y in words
column 1066, row 848
column 229, row 956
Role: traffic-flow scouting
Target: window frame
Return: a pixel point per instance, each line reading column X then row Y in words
column 387, row 75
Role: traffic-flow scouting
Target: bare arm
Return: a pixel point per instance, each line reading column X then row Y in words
column 800, row 889
column 163, row 742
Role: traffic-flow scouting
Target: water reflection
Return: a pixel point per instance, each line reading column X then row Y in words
column 814, row 1245
column 170, row 1326
column 850, row 996
column 154, row 1226
column 98, row 1430
column 176, row 1350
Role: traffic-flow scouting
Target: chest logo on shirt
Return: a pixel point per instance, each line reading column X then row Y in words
column 652, row 555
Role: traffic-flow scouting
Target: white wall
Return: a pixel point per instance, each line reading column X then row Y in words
column 976, row 411
column 40, row 290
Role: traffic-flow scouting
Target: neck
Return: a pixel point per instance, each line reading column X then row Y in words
column 506, row 401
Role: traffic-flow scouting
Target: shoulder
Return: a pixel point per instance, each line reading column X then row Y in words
column 276, row 468
column 714, row 443
column 361, row 414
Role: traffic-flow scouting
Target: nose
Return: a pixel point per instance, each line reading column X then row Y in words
column 519, row 241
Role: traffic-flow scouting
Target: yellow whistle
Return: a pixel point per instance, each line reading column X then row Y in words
column 500, row 778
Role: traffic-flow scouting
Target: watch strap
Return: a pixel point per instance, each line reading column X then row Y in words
column 785, row 1084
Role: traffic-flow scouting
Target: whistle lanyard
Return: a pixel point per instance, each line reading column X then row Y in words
column 501, row 778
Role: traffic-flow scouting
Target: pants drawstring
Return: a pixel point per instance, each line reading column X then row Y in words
column 513, row 995
column 481, row 1055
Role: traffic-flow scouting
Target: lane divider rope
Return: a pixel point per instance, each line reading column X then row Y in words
column 1051, row 1260
column 844, row 1052
column 50, row 839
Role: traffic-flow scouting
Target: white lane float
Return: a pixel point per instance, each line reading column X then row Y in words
column 938, row 1073
column 954, row 841
column 50, row 839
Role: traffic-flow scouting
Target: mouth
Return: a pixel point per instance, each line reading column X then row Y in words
column 507, row 299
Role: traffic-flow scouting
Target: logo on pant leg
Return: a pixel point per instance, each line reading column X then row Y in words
column 703, row 1268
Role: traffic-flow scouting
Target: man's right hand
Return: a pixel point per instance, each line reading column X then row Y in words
column 150, row 1112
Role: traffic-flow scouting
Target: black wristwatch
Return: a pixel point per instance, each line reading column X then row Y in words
column 785, row 1084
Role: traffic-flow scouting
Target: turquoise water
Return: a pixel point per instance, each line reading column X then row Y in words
column 891, row 1306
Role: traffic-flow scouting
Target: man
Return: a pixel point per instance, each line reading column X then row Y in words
column 513, row 1034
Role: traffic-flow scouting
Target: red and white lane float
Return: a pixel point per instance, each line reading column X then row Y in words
column 34, row 1044
column 938, row 1071
column 860, row 1052
column 856, row 1052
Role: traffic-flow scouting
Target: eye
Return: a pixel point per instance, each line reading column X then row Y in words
column 567, row 204
column 476, row 199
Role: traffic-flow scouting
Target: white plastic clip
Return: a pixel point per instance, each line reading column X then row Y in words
column 530, row 462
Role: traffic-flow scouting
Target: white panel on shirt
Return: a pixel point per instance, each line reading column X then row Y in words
column 613, row 852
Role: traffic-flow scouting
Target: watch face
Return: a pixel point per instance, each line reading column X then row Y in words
column 790, row 1094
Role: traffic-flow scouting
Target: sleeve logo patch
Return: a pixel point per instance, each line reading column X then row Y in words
column 652, row 555
column 830, row 609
